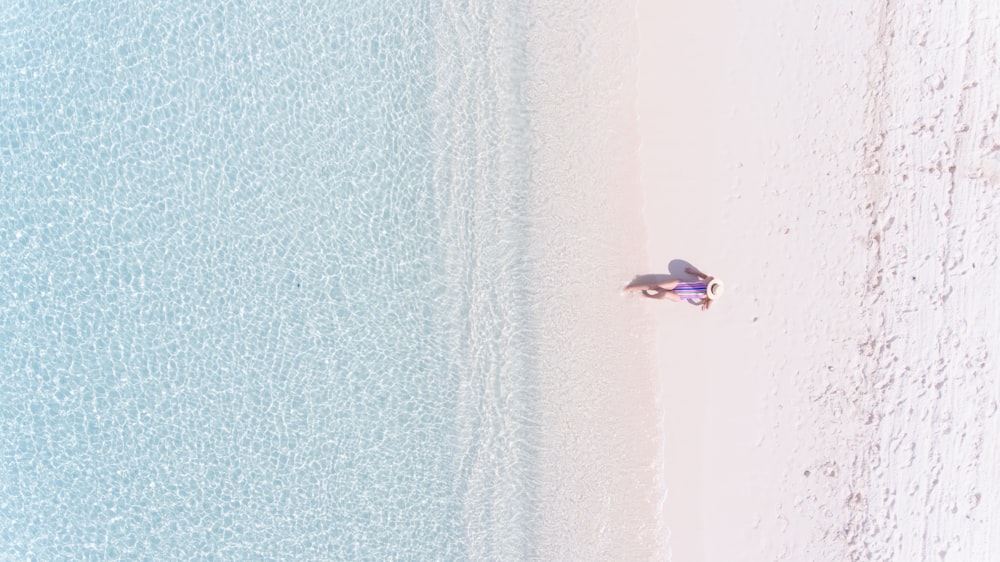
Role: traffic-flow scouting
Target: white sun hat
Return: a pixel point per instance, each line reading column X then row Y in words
column 714, row 289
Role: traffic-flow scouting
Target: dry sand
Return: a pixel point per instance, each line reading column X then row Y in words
column 838, row 165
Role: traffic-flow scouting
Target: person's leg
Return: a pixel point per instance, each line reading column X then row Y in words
column 657, row 294
column 665, row 286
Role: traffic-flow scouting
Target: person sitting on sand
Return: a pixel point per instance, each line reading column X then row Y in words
column 706, row 290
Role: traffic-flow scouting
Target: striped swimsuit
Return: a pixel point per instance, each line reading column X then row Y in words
column 691, row 290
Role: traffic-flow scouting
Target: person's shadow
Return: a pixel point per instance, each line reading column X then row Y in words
column 675, row 270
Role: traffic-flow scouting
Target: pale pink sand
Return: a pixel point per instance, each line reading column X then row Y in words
column 599, row 464
column 837, row 165
column 747, row 116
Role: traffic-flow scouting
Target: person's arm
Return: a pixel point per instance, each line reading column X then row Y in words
column 693, row 271
column 706, row 304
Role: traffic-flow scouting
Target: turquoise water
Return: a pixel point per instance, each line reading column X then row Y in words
column 260, row 282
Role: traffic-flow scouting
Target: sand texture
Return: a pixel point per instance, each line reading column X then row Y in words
column 838, row 165
column 598, row 466
column 932, row 169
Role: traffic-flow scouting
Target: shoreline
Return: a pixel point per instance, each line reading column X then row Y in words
column 600, row 480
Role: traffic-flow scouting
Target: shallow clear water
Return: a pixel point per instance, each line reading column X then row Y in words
column 260, row 282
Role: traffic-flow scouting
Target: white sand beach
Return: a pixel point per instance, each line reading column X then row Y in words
column 838, row 165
